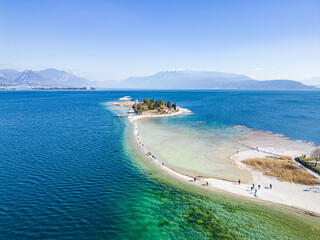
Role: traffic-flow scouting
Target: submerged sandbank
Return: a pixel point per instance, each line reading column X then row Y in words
column 193, row 151
column 221, row 173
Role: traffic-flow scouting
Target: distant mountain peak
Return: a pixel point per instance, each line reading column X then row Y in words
column 186, row 79
column 177, row 70
column 49, row 77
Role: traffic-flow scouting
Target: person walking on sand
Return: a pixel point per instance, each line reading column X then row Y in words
column 259, row 186
column 239, row 181
column 270, row 186
column 195, row 179
column 207, row 184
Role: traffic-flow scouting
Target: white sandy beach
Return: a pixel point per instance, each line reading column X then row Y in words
column 182, row 111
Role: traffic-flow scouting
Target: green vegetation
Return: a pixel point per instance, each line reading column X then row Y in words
column 310, row 163
column 153, row 106
column 169, row 105
column 174, row 106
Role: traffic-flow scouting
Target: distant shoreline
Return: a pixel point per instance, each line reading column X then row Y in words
column 69, row 88
column 50, row 89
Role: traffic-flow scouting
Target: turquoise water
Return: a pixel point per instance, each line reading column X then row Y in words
column 194, row 149
column 68, row 169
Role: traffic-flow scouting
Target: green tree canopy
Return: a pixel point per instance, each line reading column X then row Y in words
column 150, row 105
column 161, row 102
column 174, row 106
column 156, row 104
column 146, row 101
column 169, row 104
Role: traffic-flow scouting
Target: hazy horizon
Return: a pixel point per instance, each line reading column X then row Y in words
column 113, row 40
column 315, row 81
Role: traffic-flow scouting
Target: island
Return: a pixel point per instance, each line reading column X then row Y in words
column 150, row 107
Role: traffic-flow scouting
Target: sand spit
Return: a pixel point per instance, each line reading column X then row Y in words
column 123, row 104
column 182, row 111
column 259, row 144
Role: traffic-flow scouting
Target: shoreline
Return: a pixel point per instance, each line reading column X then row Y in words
column 182, row 111
column 283, row 193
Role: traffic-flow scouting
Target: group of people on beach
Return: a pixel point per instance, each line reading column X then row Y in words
column 139, row 140
column 152, row 156
column 195, row 179
column 255, row 189
column 138, row 137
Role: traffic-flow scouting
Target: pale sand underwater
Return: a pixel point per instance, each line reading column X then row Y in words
column 215, row 157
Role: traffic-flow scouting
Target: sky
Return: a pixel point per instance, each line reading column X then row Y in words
column 112, row 40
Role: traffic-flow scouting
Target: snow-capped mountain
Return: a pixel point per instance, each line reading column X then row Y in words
column 177, row 79
column 184, row 79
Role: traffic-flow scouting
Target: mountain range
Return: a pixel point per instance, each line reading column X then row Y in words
column 184, row 79
column 172, row 79
column 50, row 77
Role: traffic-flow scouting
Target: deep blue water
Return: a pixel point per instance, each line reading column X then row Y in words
column 66, row 174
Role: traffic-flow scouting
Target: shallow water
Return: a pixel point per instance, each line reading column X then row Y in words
column 193, row 213
column 192, row 149
column 69, row 170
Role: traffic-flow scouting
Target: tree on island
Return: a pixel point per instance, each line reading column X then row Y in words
column 316, row 154
column 135, row 105
column 150, row 105
column 169, row 105
column 174, row 106
column 156, row 104
column 138, row 108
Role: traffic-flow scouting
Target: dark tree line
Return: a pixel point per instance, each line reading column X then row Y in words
column 153, row 104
